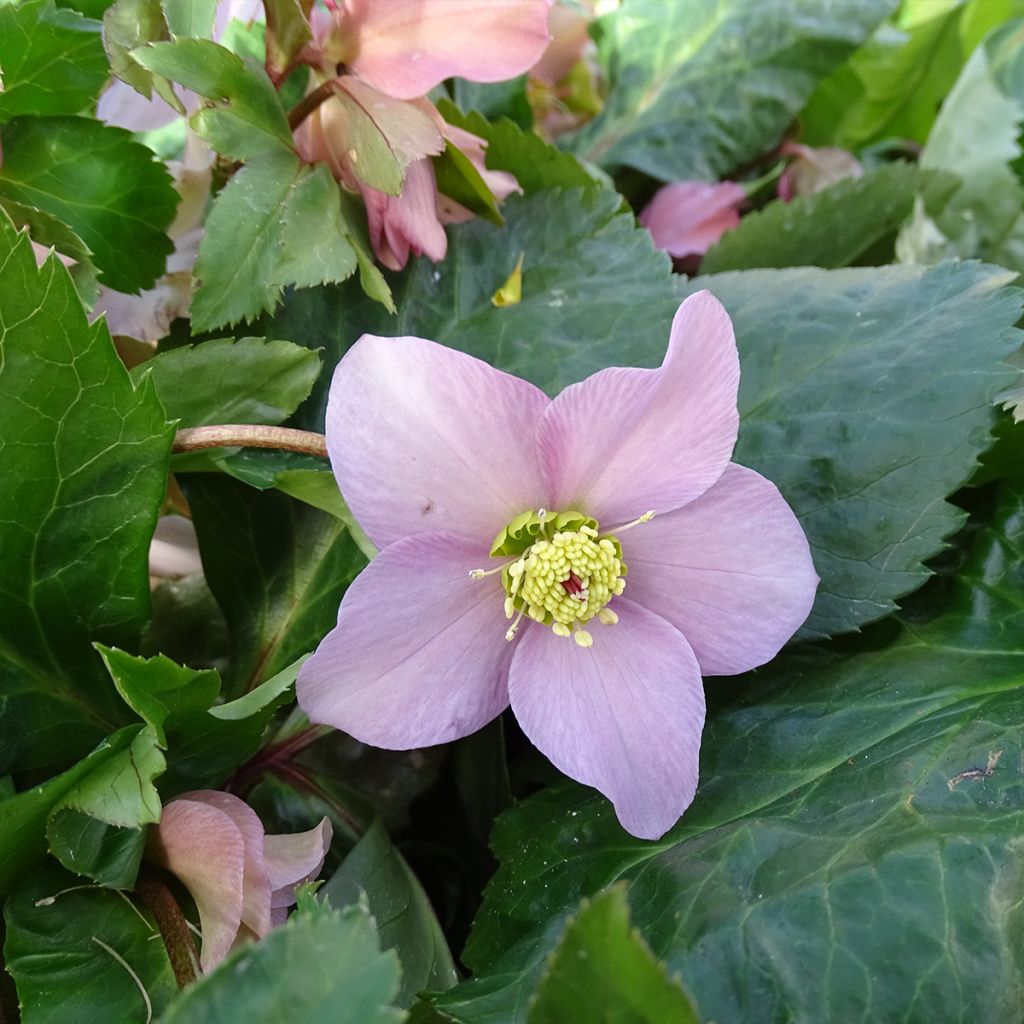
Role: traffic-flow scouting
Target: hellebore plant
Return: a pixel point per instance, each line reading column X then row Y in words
column 506, row 522
column 242, row 881
column 686, row 218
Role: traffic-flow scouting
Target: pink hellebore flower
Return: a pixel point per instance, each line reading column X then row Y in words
column 815, row 169
column 686, row 218
column 451, row 465
column 242, row 880
column 406, row 47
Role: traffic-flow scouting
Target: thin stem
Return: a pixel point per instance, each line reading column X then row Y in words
column 160, row 902
column 309, row 103
column 245, row 435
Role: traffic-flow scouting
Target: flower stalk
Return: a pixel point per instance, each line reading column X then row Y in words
column 247, row 435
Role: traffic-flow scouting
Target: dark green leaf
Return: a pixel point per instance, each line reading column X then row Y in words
column 603, row 970
column 752, row 62
column 52, row 60
column 857, row 809
column 96, row 179
column 108, row 854
column 83, row 955
column 831, row 228
column 324, row 968
column 88, row 458
column 251, row 380
column 247, row 119
column 535, row 163
column 405, row 920
column 277, row 568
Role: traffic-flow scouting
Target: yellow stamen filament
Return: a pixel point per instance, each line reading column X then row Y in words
column 645, row 518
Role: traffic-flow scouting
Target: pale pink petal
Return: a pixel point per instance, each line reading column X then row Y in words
column 815, row 169
column 688, row 217
column 406, row 223
column 624, row 715
column 419, row 654
column 293, row 859
column 732, row 571
column 570, row 36
column 406, row 47
column 121, row 106
column 625, row 440
column 423, row 438
column 203, row 847
column 174, row 549
column 256, row 884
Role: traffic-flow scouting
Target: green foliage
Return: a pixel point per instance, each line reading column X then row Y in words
column 831, row 228
column 375, row 871
column 857, row 807
column 277, row 568
column 190, row 17
column 602, row 970
column 127, row 25
column 87, row 455
column 83, row 955
column 52, row 60
column 101, row 183
column 287, row 32
column 246, row 120
column 753, row 62
column 252, row 380
column 322, row 968
column 976, row 137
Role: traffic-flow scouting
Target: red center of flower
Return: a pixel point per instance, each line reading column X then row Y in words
column 573, row 585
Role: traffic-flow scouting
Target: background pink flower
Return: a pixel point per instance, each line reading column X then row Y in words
column 242, row 880
column 686, row 218
column 437, row 453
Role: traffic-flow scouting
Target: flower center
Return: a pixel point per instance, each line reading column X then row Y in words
column 563, row 571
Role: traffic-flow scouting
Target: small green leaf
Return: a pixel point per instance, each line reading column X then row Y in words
column 108, row 188
column 83, row 955
column 52, row 60
column 190, row 17
column 374, row 871
column 266, row 695
column 315, row 238
column 247, row 119
column 287, row 32
column 458, row 179
column 831, row 228
column 127, row 25
column 252, row 380
column 602, row 969
column 320, row 968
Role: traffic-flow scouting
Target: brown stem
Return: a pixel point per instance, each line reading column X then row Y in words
column 245, row 435
column 160, row 902
column 273, row 756
column 309, row 103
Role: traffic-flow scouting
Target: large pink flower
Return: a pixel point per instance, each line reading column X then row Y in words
column 242, row 880
column 686, row 218
column 447, row 461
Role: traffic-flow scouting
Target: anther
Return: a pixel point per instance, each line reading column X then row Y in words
column 583, row 638
column 607, row 617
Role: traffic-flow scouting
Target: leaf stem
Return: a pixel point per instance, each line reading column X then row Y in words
column 309, row 103
column 247, row 435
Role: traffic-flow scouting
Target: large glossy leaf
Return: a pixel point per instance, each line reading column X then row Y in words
column 84, row 457
column 83, row 955
column 52, row 60
column 752, row 62
column 855, row 843
column 323, row 967
column 106, row 186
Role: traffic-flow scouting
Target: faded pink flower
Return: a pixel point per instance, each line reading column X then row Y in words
column 406, row 47
column 686, row 218
column 492, row 502
column 242, row 880
column 815, row 169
